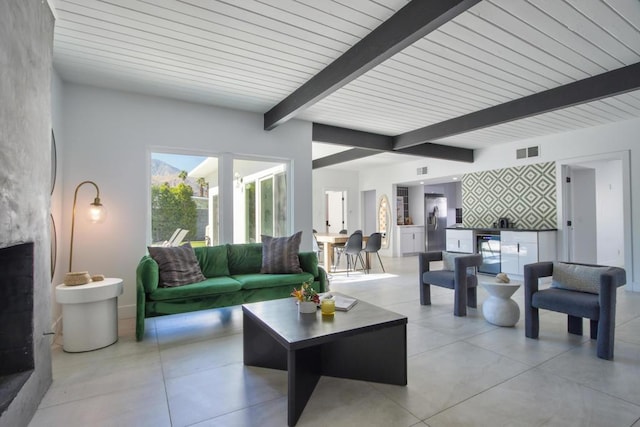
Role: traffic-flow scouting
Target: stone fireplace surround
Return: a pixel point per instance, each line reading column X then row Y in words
column 26, row 34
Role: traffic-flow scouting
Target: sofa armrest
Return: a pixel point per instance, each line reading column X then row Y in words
column 147, row 278
column 309, row 263
column 322, row 280
column 148, row 273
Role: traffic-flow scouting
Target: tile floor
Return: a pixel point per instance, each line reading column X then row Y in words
column 188, row 371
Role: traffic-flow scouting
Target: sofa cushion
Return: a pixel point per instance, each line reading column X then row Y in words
column 178, row 265
column 582, row 278
column 244, row 258
column 212, row 286
column 280, row 254
column 213, row 260
column 256, row 281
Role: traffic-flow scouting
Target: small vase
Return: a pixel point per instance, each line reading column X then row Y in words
column 307, row 307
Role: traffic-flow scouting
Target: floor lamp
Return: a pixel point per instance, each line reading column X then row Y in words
column 96, row 213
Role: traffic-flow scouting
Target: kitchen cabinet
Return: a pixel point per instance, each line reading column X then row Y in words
column 411, row 239
column 520, row 248
column 460, row 241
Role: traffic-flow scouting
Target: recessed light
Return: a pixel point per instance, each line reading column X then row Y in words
column 421, row 182
column 455, row 178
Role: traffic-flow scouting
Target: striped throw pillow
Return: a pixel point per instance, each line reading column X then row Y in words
column 280, row 254
column 178, row 265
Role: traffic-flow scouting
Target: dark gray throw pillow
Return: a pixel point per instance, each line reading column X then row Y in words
column 280, row 254
column 178, row 265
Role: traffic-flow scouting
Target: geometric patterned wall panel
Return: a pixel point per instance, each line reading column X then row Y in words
column 524, row 194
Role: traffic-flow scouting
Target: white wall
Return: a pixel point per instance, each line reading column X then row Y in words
column 108, row 136
column 595, row 141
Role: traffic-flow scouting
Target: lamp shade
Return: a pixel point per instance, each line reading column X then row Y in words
column 96, row 213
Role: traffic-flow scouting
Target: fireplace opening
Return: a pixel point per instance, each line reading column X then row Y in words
column 16, row 320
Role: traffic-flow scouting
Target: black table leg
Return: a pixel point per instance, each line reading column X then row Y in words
column 260, row 348
column 378, row 356
column 304, row 373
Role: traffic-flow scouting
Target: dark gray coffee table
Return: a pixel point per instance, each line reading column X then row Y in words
column 365, row 343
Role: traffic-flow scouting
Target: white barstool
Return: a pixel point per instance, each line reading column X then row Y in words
column 89, row 314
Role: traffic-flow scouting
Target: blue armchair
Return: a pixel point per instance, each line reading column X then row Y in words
column 577, row 303
column 462, row 279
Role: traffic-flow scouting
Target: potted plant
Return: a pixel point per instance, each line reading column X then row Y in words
column 308, row 298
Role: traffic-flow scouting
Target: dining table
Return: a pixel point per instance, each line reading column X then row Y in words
column 328, row 241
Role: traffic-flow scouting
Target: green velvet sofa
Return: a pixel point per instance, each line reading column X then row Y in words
column 233, row 277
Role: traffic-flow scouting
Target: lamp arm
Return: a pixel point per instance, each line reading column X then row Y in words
column 73, row 215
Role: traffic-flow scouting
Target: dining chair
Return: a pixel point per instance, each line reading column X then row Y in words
column 338, row 249
column 373, row 245
column 353, row 251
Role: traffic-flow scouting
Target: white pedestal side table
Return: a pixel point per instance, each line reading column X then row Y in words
column 499, row 309
column 89, row 314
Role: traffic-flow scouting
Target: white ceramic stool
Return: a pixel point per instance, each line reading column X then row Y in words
column 499, row 309
column 89, row 314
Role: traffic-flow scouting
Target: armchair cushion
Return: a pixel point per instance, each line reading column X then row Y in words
column 446, row 279
column 574, row 277
column 579, row 304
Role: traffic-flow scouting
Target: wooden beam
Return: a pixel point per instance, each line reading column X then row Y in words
column 611, row 83
column 350, row 137
column 408, row 25
column 438, row 151
column 344, row 156
column 368, row 144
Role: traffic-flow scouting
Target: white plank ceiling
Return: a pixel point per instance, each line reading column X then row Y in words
column 251, row 54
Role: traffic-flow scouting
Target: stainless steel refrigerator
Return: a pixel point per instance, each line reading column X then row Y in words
column 435, row 220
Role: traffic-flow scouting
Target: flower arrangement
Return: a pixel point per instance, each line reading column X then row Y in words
column 306, row 293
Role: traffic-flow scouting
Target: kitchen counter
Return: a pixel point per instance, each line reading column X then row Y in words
column 497, row 230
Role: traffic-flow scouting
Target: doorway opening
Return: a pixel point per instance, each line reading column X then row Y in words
column 595, row 211
column 336, row 210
